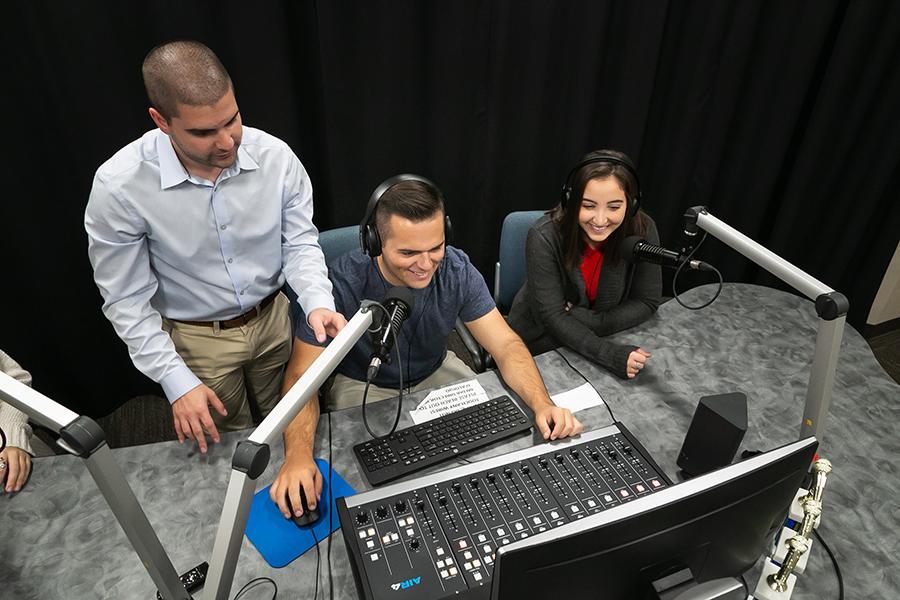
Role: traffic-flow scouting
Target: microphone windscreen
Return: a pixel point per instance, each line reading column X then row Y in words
column 626, row 247
column 400, row 294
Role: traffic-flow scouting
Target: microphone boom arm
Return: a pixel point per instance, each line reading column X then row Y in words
column 831, row 308
column 82, row 437
column 252, row 455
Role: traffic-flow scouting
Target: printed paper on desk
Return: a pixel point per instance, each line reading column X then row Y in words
column 449, row 399
column 584, row 396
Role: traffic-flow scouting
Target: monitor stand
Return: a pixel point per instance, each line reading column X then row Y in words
column 682, row 586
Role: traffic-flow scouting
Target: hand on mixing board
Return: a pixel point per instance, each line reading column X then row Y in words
column 555, row 422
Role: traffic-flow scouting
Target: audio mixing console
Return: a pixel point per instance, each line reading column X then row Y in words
column 436, row 536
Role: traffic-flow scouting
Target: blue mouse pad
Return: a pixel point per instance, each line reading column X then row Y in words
column 279, row 540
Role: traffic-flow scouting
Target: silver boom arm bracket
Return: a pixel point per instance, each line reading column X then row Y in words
column 831, row 308
column 81, row 436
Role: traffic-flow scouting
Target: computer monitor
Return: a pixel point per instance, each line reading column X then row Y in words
column 717, row 525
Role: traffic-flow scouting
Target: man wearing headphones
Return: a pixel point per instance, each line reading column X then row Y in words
column 192, row 231
column 404, row 235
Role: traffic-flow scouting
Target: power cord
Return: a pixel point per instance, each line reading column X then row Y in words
column 318, row 557
column 330, row 514
column 571, row 366
column 253, row 582
column 837, row 569
column 678, row 271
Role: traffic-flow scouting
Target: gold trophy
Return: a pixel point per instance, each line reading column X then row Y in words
column 797, row 547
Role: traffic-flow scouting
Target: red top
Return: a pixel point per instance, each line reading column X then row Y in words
column 591, row 263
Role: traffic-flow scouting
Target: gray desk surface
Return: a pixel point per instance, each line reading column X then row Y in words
column 58, row 538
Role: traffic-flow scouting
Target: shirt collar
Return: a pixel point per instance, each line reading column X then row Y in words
column 172, row 172
column 244, row 161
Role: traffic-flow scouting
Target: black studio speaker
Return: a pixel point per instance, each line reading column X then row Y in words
column 715, row 434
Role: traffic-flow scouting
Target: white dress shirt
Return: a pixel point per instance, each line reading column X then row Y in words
column 164, row 242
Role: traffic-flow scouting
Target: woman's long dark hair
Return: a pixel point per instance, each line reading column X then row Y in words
column 566, row 216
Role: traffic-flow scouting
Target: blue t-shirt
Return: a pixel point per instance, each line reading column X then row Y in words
column 456, row 290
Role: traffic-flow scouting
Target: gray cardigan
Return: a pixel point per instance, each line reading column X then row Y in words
column 626, row 296
column 13, row 421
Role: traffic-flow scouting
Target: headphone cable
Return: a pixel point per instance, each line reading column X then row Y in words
column 571, row 366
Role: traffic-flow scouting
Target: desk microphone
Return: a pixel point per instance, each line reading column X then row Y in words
column 637, row 249
column 398, row 303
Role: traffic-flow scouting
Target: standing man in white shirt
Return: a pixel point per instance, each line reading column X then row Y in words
column 192, row 230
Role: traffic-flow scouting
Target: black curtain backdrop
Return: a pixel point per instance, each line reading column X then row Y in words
column 780, row 116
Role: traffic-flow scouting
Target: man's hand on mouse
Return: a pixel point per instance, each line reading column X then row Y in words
column 294, row 473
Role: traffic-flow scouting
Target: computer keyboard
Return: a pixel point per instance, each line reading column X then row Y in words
column 414, row 448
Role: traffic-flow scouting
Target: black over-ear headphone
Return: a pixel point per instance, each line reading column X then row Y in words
column 603, row 157
column 369, row 239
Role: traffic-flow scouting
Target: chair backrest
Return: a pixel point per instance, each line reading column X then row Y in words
column 334, row 243
column 509, row 280
column 339, row 241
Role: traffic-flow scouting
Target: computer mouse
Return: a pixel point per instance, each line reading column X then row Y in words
column 309, row 516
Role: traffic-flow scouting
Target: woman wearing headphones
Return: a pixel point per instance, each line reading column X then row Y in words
column 579, row 290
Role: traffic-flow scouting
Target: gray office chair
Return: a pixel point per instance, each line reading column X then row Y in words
column 509, row 280
column 334, row 244
column 337, row 242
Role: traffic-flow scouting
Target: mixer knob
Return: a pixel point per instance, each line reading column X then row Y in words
column 558, row 457
column 526, row 469
column 543, row 462
column 491, row 477
column 381, row 511
column 507, row 472
column 414, row 544
column 442, row 500
column 612, row 454
column 574, row 452
column 456, row 486
column 362, row 517
column 595, row 455
column 420, row 504
column 474, row 482
column 400, row 505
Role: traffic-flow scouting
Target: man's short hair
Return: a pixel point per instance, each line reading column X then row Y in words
column 413, row 200
column 183, row 72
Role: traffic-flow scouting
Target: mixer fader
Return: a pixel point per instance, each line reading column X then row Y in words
column 437, row 535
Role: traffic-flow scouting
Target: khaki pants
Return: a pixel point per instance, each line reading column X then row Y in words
column 347, row 393
column 239, row 360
